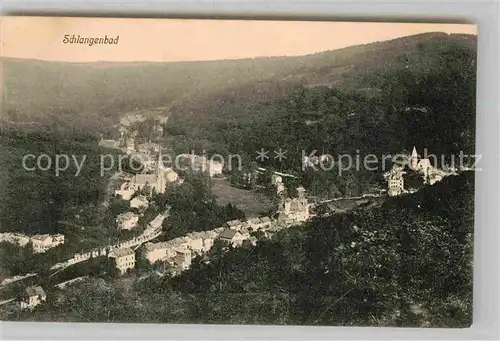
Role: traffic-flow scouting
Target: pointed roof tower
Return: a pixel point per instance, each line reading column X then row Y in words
column 414, row 152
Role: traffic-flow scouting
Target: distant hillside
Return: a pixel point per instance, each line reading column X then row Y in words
column 82, row 93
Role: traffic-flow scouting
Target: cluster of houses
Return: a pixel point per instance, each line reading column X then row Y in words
column 152, row 231
column 157, row 180
column 40, row 242
column 179, row 252
column 423, row 166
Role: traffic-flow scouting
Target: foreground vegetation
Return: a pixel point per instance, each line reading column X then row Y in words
column 407, row 263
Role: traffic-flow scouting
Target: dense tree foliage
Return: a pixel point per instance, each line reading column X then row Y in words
column 194, row 208
column 50, row 196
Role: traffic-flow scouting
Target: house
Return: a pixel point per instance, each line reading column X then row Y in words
column 184, row 242
column 171, row 175
column 32, row 297
column 127, row 221
column 395, row 181
column 182, row 258
column 14, row 238
column 266, row 222
column 276, row 179
column 255, row 224
column 233, row 224
column 124, row 259
column 140, row 202
column 208, row 240
column 43, row 242
column 232, row 237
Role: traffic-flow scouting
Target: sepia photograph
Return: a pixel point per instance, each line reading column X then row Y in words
column 243, row 172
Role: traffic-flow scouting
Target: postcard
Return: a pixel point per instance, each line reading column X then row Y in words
column 209, row 171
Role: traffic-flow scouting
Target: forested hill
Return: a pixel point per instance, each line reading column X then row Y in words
column 86, row 93
column 407, row 263
column 369, row 267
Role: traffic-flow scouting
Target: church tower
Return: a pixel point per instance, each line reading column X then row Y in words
column 414, row 159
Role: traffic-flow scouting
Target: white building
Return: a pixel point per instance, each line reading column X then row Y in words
column 395, row 182
column 165, row 250
column 234, row 224
column 140, row 202
column 111, row 144
column 183, row 258
column 43, row 242
column 155, row 252
column 127, row 221
column 124, row 259
column 171, row 176
column 232, row 237
column 14, row 238
column 201, row 164
column 32, row 297
column 296, row 209
column 157, row 222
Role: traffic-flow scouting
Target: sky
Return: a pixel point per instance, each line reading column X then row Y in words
column 167, row 40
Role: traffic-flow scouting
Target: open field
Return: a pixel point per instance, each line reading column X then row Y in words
column 250, row 202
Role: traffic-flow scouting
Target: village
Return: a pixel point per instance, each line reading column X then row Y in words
column 177, row 254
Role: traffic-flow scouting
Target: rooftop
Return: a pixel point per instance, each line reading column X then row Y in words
column 109, row 144
column 126, row 216
column 235, row 222
column 254, row 220
column 41, row 237
column 118, row 253
column 228, row 234
column 35, row 291
column 157, row 221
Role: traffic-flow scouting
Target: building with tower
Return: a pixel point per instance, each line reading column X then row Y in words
column 395, row 181
column 157, row 180
column 294, row 209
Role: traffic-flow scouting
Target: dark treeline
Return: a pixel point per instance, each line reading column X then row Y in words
column 34, row 201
